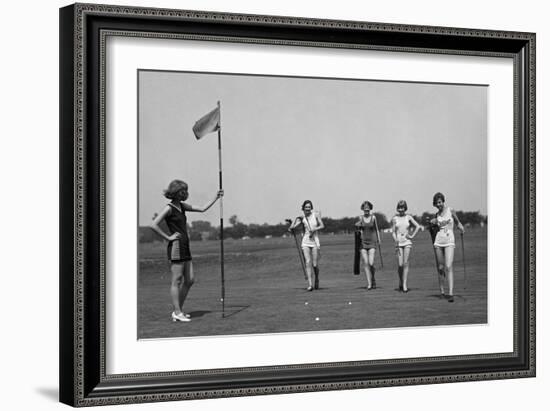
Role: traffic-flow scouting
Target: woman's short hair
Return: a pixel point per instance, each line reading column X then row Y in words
column 366, row 204
column 174, row 188
column 402, row 204
column 438, row 196
column 306, row 203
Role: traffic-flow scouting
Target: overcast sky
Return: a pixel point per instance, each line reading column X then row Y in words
column 335, row 142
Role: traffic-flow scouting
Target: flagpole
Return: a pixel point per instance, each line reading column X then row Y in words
column 221, row 205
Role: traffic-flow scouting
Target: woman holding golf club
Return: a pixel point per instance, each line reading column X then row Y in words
column 370, row 237
column 312, row 223
column 179, row 253
column 444, row 242
column 401, row 225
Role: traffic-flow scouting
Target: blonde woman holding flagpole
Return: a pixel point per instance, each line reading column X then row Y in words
column 174, row 215
column 179, row 253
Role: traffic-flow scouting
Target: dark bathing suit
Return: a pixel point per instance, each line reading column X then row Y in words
column 368, row 234
column 178, row 250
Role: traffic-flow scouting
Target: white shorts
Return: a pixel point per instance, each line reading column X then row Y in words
column 444, row 239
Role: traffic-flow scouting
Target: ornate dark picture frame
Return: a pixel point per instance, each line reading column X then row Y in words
column 83, row 30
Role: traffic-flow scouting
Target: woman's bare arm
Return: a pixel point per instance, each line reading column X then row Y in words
column 393, row 229
column 155, row 225
column 416, row 226
column 204, row 208
column 458, row 223
column 321, row 224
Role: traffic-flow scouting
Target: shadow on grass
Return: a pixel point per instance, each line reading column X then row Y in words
column 364, row 287
column 197, row 314
column 437, row 296
column 240, row 308
column 446, row 297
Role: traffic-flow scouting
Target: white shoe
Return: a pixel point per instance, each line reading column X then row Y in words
column 180, row 317
column 186, row 315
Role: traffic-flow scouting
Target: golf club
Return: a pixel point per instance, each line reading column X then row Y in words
column 300, row 255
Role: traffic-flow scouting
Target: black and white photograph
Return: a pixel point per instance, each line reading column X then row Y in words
column 288, row 204
column 258, row 204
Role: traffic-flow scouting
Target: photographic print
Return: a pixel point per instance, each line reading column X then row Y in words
column 276, row 204
column 317, row 188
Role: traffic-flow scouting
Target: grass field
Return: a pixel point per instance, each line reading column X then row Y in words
column 265, row 289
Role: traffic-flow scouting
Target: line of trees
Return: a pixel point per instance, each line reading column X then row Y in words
column 203, row 230
column 468, row 218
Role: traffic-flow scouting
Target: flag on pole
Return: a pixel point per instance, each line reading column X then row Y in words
column 207, row 124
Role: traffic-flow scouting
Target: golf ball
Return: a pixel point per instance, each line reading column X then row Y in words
column 307, row 303
column 221, row 299
column 316, row 318
column 349, row 303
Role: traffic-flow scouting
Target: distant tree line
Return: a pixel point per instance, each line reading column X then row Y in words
column 468, row 218
column 203, row 230
column 347, row 224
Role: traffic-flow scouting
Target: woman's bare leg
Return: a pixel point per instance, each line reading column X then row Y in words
column 371, row 253
column 366, row 264
column 188, row 280
column 175, row 285
column 400, row 266
column 307, row 256
column 440, row 256
column 449, row 256
column 406, row 254
column 315, row 255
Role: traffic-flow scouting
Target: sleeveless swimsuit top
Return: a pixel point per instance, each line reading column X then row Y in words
column 402, row 224
column 368, row 230
column 445, row 236
column 176, row 221
column 310, row 239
